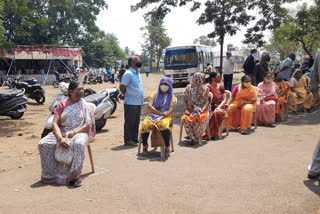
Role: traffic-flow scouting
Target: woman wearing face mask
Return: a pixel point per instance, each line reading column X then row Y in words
column 283, row 89
column 218, row 103
column 196, row 112
column 299, row 96
column 161, row 106
column 267, row 99
column 73, row 117
column 243, row 103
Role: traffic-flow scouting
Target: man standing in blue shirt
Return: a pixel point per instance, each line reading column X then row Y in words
column 131, row 88
column 286, row 67
column 147, row 71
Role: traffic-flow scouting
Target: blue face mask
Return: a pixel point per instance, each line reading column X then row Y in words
column 280, row 79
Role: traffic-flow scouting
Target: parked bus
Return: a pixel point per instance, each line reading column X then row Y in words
column 181, row 63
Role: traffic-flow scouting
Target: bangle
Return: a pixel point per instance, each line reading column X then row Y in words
column 60, row 138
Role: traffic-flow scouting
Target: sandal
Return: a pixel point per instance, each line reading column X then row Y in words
column 78, row 183
column 273, row 125
column 145, row 150
column 245, row 132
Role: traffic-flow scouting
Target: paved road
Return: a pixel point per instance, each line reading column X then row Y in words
column 261, row 173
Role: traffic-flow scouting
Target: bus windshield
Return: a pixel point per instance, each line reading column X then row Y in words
column 182, row 57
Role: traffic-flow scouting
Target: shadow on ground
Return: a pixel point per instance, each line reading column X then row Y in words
column 313, row 185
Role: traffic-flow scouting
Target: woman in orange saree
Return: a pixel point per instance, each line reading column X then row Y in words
column 283, row 89
column 244, row 100
column 298, row 94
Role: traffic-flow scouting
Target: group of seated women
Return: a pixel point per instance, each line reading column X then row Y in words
column 206, row 106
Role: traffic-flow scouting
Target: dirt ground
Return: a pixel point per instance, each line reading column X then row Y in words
column 261, row 173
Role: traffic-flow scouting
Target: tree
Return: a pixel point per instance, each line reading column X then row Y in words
column 280, row 44
column 156, row 40
column 301, row 29
column 219, row 11
column 70, row 22
column 105, row 51
column 205, row 40
column 227, row 16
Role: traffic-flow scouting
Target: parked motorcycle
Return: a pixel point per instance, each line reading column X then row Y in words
column 13, row 103
column 33, row 89
column 113, row 96
column 100, row 99
column 63, row 78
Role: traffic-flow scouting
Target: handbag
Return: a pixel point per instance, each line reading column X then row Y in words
column 63, row 155
column 271, row 98
column 156, row 137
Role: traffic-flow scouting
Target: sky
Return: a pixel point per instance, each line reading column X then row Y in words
column 180, row 24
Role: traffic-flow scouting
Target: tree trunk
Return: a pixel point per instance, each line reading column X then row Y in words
column 221, row 57
column 305, row 47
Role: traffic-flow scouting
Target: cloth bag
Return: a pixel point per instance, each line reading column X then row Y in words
column 63, row 155
column 156, row 137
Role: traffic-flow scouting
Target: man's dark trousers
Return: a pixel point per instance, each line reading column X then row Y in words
column 228, row 81
column 131, row 122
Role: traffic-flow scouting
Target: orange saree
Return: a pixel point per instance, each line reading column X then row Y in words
column 242, row 95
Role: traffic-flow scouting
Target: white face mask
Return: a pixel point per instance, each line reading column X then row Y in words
column 255, row 55
column 164, row 88
column 267, row 80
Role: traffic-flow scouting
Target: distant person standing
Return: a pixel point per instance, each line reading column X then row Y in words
column 262, row 67
column 286, row 67
column 310, row 62
column 113, row 71
column 121, row 72
column 131, row 88
column 249, row 65
column 228, row 68
column 147, row 71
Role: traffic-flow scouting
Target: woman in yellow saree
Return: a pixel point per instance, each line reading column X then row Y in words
column 244, row 97
column 298, row 94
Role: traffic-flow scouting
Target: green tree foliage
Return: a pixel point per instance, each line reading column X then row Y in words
column 205, row 40
column 228, row 15
column 301, row 29
column 105, row 51
column 156, row 40
column 59, row 22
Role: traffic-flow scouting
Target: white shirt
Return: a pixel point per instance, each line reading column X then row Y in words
column 228, row 66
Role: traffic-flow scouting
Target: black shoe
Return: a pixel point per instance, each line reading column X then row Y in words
column 130, row 143
column 312, row 177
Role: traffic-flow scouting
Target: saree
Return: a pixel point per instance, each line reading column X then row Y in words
column 266, row 110
column 195, row 97
column 73, row 117
column 216, row 116
column 283, row 86
column 245, row 119
column 306, row 99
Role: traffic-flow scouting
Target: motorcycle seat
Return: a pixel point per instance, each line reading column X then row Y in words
column 31, row 81
column 95, row 98
column 9, row 93
column 113, row 91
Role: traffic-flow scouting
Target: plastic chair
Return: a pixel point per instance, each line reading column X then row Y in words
column 255, row 110
column 93, row 108
column 226, row 121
